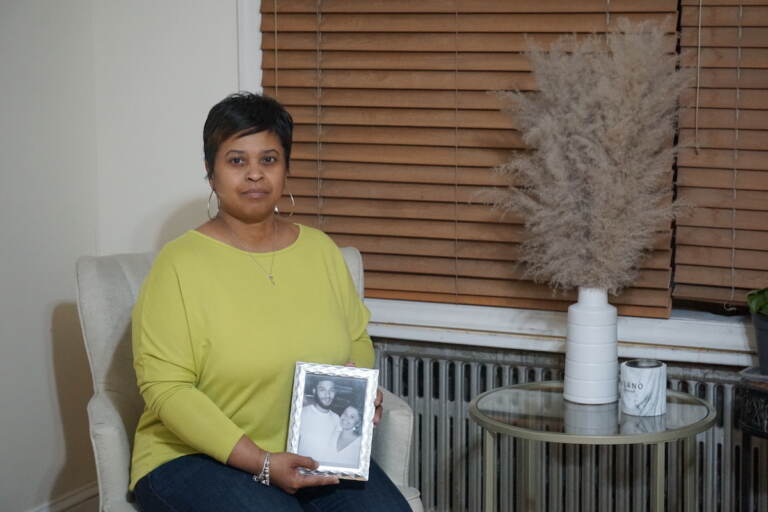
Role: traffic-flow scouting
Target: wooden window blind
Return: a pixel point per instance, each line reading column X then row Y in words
column 396, row 135
column 722, row 247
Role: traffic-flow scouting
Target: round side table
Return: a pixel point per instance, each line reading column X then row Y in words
column 537, row 411
column 752, row 416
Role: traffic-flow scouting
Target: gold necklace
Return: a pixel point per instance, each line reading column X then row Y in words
column 242, row 246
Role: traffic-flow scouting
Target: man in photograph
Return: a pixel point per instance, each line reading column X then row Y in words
column 318, row 422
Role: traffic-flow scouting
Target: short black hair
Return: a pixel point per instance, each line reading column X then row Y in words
column 314, row 380
column 242, row 114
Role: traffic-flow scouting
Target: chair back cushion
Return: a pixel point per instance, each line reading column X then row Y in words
column 354, row 262
column 107, row 288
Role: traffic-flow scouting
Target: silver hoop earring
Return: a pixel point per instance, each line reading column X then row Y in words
column 293, row 204
column 210, row 196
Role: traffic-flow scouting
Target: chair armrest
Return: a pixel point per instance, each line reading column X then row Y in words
column 111, row 442
column 392, row 438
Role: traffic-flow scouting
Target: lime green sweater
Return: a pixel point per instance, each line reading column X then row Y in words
column 215, row 344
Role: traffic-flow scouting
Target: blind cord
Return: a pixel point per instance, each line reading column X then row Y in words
column 274, row 14
column 698, row 85
column 734, row 174
column 456, row 148
column 319, row 110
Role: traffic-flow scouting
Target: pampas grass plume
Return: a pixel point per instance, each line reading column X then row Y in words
column 595, row 188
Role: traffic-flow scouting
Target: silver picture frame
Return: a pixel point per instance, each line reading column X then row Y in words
column 312, row 417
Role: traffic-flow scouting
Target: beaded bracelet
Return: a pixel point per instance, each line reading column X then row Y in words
column 263, row 477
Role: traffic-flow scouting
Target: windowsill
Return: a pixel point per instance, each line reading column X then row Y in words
column 688, row 336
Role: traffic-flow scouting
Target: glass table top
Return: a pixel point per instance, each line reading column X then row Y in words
column 538, row 411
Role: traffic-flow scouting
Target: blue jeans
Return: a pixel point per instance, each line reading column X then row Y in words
column 198, row 483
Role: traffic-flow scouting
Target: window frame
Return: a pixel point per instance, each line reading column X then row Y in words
column 687, row 336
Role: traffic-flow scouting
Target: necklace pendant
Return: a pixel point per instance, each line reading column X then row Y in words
column 271, row 279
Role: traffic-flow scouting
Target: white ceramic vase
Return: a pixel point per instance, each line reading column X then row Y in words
column 591, row 419
column 591, row 353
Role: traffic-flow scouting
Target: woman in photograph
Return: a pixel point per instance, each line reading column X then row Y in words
column 348, row 440
column 223, row 316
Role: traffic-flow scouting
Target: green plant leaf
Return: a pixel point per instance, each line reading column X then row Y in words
column 758, row 301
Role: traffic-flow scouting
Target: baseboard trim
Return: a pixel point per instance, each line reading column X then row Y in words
column 69, row 499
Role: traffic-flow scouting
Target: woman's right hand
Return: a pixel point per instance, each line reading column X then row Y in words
column 285, row 472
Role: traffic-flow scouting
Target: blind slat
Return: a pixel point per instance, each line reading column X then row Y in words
column 473, row 6
column 724, row 139
column 721, row 257
column 389, row 190
column 723, row 159
column 424, row 229
column 399, row 154
column 411, row 42
column 709, row 275
column 710, row 294
column 509, row 302
column 714, row 237
column 726, row 218
column 725, row 37
column 725, row 118
column 369, row 79
column 746, row 79
column 725, row 16
column 477, row 23
column 428, row 247
column 722, row 2
column 481, row 268
column 399, row 209
column 476, row 61
column 722, row 178
column 715, row 105
column 715, row 125
column 726, row 98
column 431, row 117
column 397, row 173
column 715, row 198
column 416, row 99
column 388, row 135
column 727, row 58
column 475, row 80
column 498, row 288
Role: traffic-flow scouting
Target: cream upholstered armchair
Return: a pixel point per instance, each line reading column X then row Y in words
column 107, row 287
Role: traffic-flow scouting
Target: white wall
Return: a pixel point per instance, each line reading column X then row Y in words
column 159, row 67
column 101, row 110
column 47, row 218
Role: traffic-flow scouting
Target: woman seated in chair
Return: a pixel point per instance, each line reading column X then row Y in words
column 226, row 311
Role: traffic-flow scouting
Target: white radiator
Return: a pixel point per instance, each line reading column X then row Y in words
column 446, row 461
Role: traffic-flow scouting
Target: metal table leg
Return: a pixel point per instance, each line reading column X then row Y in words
column 659, row 471
column 746, row 471
column 489, row 483
column 689, row 471
column 530, row 476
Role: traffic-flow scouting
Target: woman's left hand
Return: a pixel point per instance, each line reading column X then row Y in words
column 377, row 404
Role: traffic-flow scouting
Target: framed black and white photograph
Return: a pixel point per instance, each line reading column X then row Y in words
column 332, row 417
